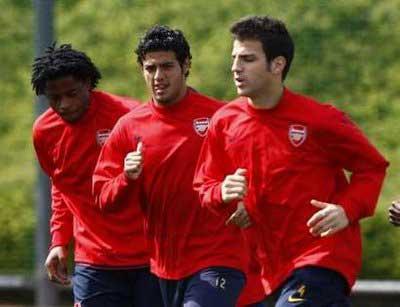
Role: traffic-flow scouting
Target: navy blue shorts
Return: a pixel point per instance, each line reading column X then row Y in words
column 259, row 304
column 95, row 287
column 314, row 287
column 210, row 287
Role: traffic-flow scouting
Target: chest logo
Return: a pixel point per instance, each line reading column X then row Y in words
column 102, row 136
column 297, row 134
column 200, row 125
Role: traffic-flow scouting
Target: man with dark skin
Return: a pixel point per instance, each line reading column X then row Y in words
column 111, row 257
column 394, row 213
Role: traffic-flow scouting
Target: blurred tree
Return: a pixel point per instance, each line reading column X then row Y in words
column 346, row 54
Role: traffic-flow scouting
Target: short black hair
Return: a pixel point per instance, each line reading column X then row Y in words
column 163, row 38
column 272, row 33
column 59, row 62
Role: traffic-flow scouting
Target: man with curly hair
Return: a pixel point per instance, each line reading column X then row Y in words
column 153, row 152
column 279, row 158
column 111, row 256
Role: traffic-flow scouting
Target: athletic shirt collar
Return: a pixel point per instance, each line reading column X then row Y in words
column 280, row 106
column 175, row 109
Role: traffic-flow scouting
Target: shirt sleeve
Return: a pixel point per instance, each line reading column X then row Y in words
column 109, row 181
column 346, row 145
column 211, row 169
column 61, row 221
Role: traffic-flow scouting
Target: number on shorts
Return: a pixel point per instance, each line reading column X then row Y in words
column 220, row 282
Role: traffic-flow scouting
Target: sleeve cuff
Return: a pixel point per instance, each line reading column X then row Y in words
column 351, row 211
column 59, row 240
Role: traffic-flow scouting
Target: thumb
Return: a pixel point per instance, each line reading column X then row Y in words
column 139, row 147
column 318, row 204
column 241, row 171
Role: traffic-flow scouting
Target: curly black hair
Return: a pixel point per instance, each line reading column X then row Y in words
column 163, row 38
column 62, row 61
column 272, row 34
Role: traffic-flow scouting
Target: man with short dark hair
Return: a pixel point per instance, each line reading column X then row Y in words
column 286, row 155
column 153, row 152
column 111, row 255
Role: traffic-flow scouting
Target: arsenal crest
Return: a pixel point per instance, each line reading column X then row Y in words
column 297, row 134
column 102, row 136
column 200, row 125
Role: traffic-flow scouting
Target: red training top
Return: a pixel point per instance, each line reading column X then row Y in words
column 184, row 237
column 253, row 292
column 294, row 153
column 68, row 152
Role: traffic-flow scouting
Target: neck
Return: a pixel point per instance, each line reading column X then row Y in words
column 174, row 101
column 268, row 99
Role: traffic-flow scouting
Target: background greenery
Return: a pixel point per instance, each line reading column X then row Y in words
column 347, row 53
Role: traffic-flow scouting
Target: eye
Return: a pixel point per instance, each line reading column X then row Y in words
column 53, row 98
column 72, row 93
column 249, row 58
column 150, row 68
column 168, row 65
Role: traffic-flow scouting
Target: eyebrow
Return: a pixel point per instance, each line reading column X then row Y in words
column 243, row 55
column 162, row 63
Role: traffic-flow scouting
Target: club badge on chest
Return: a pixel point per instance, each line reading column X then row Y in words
column 102, row 136
column 297, row 134
column 200, row 125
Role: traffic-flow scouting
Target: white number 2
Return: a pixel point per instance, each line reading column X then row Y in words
column 220, row 282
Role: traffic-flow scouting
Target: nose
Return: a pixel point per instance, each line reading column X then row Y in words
column 236, row 65
column 64, row 103
column 158, row 75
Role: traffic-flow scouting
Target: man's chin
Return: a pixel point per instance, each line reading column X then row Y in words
column 241, row 92
column 162, row 100
column 73, row 117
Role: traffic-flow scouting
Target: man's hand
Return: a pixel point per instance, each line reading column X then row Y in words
column 394, row 213
column 240, row 217
column 133, row 162
column 327, row 221
column 56, row 265
column 234, row 187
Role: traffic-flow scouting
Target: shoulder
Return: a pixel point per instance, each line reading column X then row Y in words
column 112, row 102
column 205, row 102
column 319, row 112
column 47, row 121
column 230, row 110
column 139, row 113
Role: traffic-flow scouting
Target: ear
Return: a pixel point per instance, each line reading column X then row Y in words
column 186, row 66
column 87, row 84
column 278, row 65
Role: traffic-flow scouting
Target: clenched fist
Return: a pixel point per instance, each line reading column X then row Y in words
column 234, row 187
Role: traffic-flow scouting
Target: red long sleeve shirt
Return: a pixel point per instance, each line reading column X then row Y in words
column 253, row 292
column 294, row 153
column 184, row 237
column 68, row 152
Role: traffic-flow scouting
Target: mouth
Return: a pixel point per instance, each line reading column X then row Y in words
column 70, row 115
column 239, row 81
column 160, row 89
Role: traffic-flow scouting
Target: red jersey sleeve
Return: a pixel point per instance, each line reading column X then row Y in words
column 61, row 221
column 349, row 148
column 211, row 169
column 109, row 180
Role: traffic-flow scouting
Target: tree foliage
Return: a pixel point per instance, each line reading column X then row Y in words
column 346, row 54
